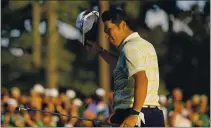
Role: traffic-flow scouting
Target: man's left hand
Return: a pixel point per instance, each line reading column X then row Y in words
column 130, row 121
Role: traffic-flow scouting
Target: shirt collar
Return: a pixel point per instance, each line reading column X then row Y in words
column 131, row 36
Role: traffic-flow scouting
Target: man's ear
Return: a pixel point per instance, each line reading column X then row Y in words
column 123, row 24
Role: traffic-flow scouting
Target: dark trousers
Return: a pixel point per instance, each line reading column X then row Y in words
column 153, row 117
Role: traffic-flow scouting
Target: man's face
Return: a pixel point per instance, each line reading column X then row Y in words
column 177, row 95
column 113, row 33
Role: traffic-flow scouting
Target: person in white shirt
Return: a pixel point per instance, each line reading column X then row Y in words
column 135, row 72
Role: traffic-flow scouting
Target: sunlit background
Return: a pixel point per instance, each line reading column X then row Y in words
column 45, row 66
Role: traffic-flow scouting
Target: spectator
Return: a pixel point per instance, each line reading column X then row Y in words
column 102, row 107
column 62, row 102
column 98, row 107
column 29, row 122
column 204, row 104
column 199, row 119
column 195, row 100
column 77, row 103
column 163, row 103
column 70, row 94
column 62, row 120
column 48, row 121
column 4, row 98
column 189, row 106
column 177, row 96
column 194, row 113
column 15, row 93
column 4, row 95
column 176, row 117
column 35, row 100
column 39, row 89
column 10, row 118
column 23, row 100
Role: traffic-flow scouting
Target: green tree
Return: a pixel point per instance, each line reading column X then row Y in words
column 103, row 66
column 52, row 46
column 36, row 35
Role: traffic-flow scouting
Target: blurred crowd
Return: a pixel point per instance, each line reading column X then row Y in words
column 177, row 112
column 194, row 112
column 51, row 100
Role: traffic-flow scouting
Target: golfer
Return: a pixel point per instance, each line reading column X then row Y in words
column 135, row 73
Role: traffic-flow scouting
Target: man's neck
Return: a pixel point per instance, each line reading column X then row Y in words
column 127, row 33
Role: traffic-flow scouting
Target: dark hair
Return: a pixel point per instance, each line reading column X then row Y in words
column 116, row 15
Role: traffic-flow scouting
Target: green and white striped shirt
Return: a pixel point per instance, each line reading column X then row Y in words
column 136, row 54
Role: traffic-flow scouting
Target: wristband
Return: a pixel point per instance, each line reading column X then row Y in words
column 101, row 51
column 133, row 112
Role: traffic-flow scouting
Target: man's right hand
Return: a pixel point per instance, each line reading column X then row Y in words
column 93, row 47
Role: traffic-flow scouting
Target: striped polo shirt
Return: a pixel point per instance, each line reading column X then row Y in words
column 136, row 54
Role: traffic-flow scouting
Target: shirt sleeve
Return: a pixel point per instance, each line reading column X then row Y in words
column 135, row 59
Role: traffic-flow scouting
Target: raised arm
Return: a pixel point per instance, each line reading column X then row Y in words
column 95, row 48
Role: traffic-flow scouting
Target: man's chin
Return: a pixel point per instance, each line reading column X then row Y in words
column 114, row 44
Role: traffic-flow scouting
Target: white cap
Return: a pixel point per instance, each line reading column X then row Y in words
column 185, row 112
column 53, row 92
column 70, row 94
column 162, row 99
column 39, row 88
column 85, row 21
column 47, row 91
column 77, row 102
column 68, row 126
column 12, row 102
column 100, row 92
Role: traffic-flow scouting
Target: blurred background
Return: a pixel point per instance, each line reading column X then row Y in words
column 45, row 66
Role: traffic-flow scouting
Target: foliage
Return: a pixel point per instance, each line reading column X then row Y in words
column 68, row 11
column 183, row 60
column 86, row 88
column 162, row 88
column 18, row 4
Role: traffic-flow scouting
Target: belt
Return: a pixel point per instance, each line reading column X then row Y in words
column 143, row 107
column 150, row 106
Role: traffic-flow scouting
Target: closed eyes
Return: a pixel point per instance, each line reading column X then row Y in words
column 106, row 30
